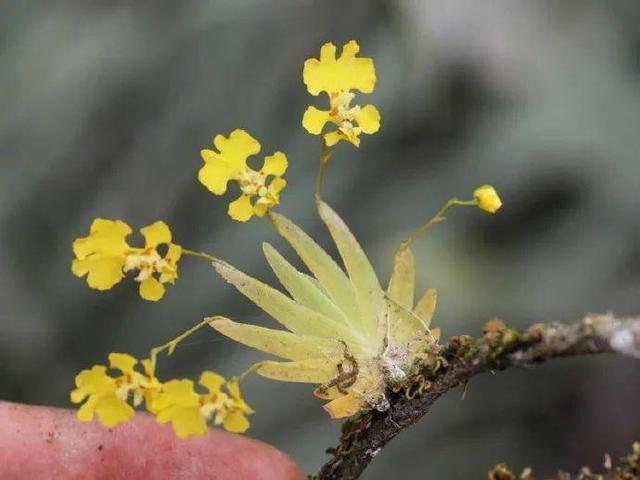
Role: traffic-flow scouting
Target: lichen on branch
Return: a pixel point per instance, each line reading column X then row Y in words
column 627, row 468
column 499, row 348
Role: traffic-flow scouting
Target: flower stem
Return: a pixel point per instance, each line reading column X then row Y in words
column 325, row 158
column 171, row 345
column 437, row 218
column 251, row 369
column 192, row 253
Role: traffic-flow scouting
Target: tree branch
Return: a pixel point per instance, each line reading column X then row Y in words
column 366, row 434
column 628, row 468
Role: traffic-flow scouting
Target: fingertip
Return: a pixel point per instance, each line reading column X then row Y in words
column 44, row 443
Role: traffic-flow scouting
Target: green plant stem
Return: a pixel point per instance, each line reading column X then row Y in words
column 204, row 255
column 437, row 218
column 325, row 158
column 171, row 345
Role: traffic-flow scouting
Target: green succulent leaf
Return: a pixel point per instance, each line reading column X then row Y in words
column 312, row 370
column 297, row 318
column 320, row 263
column 402, row 282
column 280, row 343
column 301, row 287
column 426, row 306
column 369, row 294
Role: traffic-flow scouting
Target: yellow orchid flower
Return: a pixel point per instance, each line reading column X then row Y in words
column 230, row 163
column 107, row 396
column 487, row 198
column 102, row 254
column 180, row 404
column 237, row 409
column 344, row 331
column 337, row 77
column 174, row 401
column 105, row 256
column 189, row 411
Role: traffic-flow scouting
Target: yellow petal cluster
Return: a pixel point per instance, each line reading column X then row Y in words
column 487, row 198
column 260, row 189
column 112, row 398
column 107, row 396
column 189, row 412
column 104, row 256
column 338, row 77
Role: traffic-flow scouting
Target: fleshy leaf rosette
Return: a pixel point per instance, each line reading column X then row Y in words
column 343, row 331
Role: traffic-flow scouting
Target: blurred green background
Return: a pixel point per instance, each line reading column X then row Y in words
column 105, row 106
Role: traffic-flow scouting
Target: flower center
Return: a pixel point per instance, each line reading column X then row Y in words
column 124, row 385
column 252, row 182
column 341, row 107
column 146, row 261
column 216, row 403
column 343, row 114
